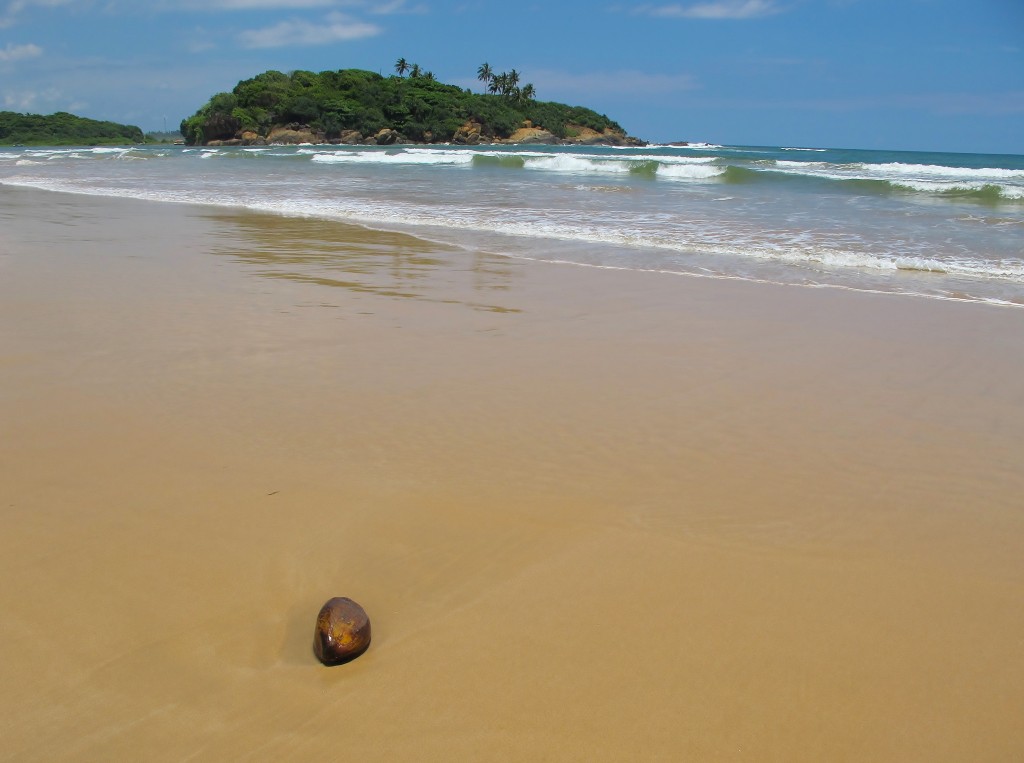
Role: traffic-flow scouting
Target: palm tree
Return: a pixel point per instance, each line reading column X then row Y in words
column 430, row 76
column 414, row 71
column 485, row 73
column 528, row 93
column 401, row 66
column 513, row 80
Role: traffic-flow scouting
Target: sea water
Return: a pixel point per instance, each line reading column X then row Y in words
column 933, row 225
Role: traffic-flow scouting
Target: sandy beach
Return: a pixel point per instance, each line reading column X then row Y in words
column 592, row 514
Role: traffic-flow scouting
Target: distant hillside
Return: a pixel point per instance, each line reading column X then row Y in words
column 63, row 129
column 357, row 106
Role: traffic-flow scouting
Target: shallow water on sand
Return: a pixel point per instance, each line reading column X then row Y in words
column 945, row 226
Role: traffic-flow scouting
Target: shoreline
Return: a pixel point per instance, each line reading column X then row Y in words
column 592, row 514
column 422, row 232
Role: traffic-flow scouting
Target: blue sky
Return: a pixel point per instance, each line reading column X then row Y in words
column 903, row 74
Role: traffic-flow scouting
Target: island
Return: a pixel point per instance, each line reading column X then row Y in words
column 356, row 106
column 63, row 129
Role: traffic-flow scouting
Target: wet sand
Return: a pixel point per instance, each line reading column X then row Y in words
column 593, row 515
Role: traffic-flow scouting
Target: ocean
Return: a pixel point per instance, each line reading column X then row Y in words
column 927, row 225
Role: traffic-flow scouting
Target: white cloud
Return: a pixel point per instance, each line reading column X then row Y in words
column 387, row 7
column 37, row 101
column 717, row 9
column 248, row 5
column 394, row 7
column 200, row 46
column 937, row 104
column 17, row 6
column 623, row 81
column 337, row 27
column 10, row 11
column 19, row 52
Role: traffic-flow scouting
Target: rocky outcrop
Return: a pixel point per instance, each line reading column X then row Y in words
column 293, row 135
column 387, row 137
column 584, row 136
column 349, row 137
column 469, row 134
column 534, row 135
column 579, row 135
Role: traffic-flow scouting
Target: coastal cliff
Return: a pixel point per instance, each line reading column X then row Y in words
column 353, row 106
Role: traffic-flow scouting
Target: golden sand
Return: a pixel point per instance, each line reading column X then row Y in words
column 593, row 515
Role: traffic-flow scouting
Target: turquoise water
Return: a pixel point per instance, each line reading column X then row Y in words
column 934, row 225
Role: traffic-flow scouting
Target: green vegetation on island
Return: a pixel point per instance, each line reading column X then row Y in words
column 358, row 106
column 63, row 129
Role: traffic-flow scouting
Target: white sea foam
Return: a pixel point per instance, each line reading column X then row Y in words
column 576, row 164
column 689, row 171
column 1006, row 191
column 404, row 157
column 795, row 165
column 666, row 159
column 571, row 163
column 897, row 170
column 927, row 178
column 938, row 170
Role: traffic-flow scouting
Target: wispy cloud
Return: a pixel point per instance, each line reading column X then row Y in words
column 944, row 104
column 337, row 27
column 941, row 104
column 11, row 10
column 395, row 7
column 17, row 6
column 367, row 6
column 40, row 101
column 717, row 9
column 248, row 5
column 619, row 82
column 19, row 52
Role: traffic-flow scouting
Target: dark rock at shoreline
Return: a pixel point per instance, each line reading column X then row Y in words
column 342, row 631
column 471, row 133
column 293, row 135
column 530, row 135
column 387, row 137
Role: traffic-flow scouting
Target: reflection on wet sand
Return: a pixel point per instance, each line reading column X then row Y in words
column 383, row 263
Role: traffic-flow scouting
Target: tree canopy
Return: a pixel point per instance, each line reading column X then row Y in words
column 63, row 129
column 417, row 106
